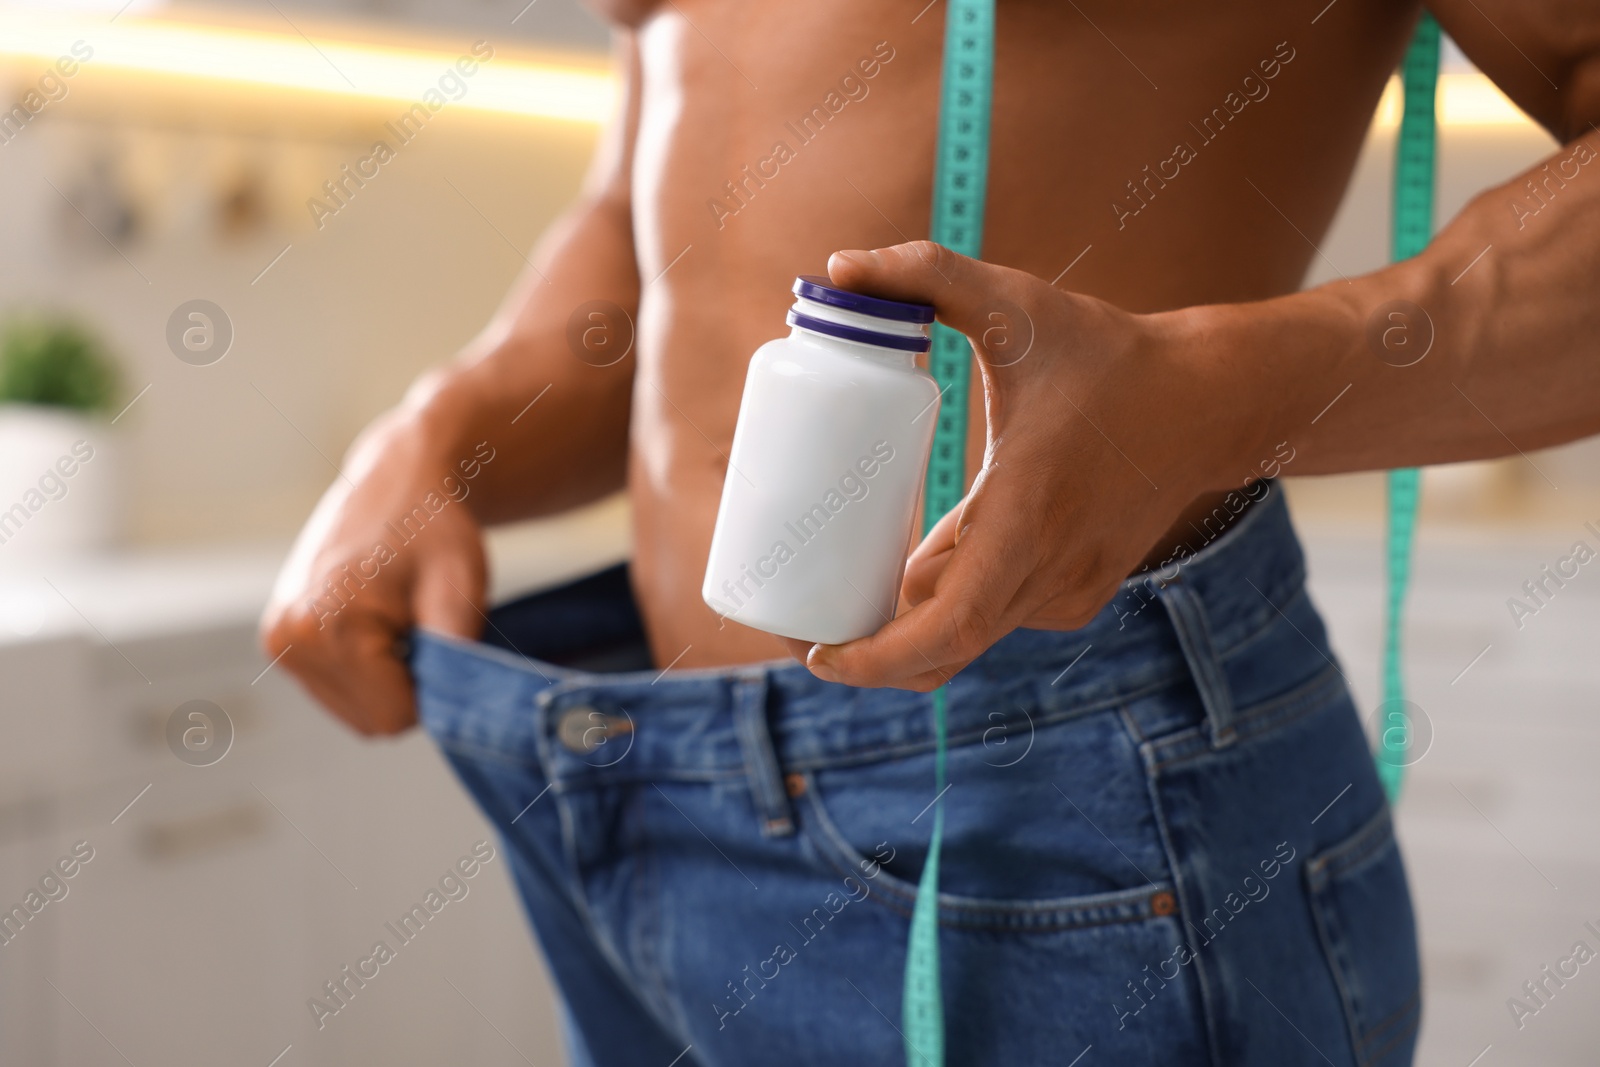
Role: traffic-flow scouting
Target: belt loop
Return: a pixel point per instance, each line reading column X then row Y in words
column 760, row 758
column 1188, row 616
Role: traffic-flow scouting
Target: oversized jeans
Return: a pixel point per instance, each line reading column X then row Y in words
column 1164, row 839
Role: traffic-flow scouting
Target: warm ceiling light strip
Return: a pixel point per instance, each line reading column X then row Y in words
column 1466, row 99
column 503, row 85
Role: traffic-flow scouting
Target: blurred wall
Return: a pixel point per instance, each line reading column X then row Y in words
column 200, row 190
column 203, row 194
column 1493, row 494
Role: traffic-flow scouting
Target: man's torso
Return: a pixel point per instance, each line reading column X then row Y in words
column 1169, row 155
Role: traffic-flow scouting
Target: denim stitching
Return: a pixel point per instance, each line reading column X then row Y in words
column 477, row 751
column 1308, row 699
column 649, row 927
column 1357, row 849
column 1130, row 724
column 569, row 683
column 1187, row 614
column 1060, row 913
column 1170, row 750
column 1318, row 872
column 1209, row 1010
column 1330, row 933
column 1396, row 1016
column 1413, row 1005
column 1296, row 583
column 762, row 769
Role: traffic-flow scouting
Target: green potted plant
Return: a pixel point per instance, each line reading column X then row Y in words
column 58, row 486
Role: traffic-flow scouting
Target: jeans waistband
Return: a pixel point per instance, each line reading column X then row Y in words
column 1163, row 629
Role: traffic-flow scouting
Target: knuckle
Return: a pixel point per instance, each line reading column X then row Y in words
column 280, row 632
column 859, row 668
column 1085, row 604
column 969, row 629
column 1081, row 616
column 298, row 626
column 932, row 253
column 272, row 635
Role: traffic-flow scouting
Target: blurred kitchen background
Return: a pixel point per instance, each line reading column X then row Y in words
column 155, row 220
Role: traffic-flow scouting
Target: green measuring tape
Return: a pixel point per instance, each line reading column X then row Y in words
column 1410, row 230
column 961, row 175
column 960, row 179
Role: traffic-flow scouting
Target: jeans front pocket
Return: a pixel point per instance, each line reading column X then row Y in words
column 1052, row 830
column 1362, row 909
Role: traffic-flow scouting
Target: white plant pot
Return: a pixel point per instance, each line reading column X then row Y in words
column 59, row 487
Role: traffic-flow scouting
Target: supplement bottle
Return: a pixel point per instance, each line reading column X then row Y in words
column 826, row 467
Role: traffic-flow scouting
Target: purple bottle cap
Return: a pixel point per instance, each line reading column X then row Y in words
column 820, row 289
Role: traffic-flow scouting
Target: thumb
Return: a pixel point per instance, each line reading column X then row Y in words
column 449, row 595
column 962, row 290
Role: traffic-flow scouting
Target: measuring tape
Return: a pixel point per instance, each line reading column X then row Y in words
column 961, row 175
column 960, row 179
column 1410, row 230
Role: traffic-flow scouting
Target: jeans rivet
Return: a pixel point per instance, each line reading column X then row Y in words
column 583, row 728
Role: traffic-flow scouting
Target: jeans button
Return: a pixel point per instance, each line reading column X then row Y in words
column 582, row 728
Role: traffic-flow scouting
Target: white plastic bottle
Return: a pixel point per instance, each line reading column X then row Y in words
column 827, row 465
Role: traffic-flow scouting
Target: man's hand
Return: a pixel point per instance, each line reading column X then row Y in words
column 1101, row 428
column 354, row 585
column 341, row 606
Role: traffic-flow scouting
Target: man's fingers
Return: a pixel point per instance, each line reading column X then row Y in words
column 969, row 611
column 937, row 637
column 373, row 693
column 449, row 596
column 928, row 561
column 797, row 648
column 964, row 291
column 348, row 663
column 344, row 648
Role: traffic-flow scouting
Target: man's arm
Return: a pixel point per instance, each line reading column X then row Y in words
column 1509, row 292
column 1114, row 422
column 530, row 419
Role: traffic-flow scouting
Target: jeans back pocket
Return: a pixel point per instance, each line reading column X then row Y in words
column 1362, row 909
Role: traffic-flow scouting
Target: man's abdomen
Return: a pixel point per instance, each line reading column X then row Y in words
column 770, row 137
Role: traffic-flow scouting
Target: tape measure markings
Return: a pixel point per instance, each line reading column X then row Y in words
column 1410, row 230
column 960, row 184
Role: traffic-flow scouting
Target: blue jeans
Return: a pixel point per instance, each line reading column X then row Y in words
column 1164, row 837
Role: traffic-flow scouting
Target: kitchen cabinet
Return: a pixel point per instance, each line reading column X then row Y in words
column 220, row 898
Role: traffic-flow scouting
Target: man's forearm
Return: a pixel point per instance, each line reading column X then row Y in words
column 1482, row 346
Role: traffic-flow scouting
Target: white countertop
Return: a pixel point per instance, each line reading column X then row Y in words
column 145, row 593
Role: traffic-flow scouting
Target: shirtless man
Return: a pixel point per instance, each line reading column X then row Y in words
column 1170, row 168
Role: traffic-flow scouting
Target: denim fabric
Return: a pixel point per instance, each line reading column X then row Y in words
column 1164, row 837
